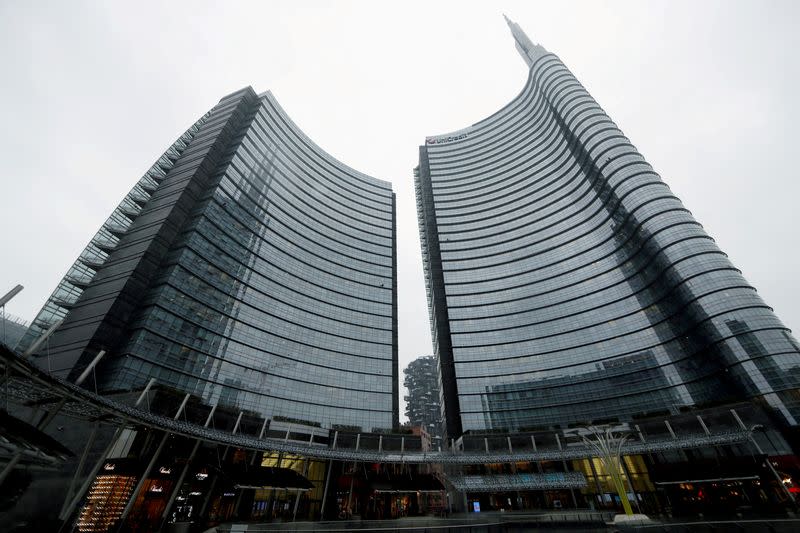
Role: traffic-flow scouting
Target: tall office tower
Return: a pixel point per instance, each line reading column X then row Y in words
column 247, row 267
column 567, row 284
column 422, row 402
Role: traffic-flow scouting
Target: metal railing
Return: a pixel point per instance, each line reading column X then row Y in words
column 26, row 383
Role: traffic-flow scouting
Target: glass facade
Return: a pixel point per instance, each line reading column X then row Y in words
column 94, row 256
column 276, row 293
column 567, row 284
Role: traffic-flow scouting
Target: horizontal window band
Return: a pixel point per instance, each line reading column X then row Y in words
column 685, row 333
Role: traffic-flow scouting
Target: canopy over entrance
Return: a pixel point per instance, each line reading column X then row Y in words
column 261, row 477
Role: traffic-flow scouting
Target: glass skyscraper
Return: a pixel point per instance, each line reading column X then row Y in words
column 247, row 267
column 568, row 285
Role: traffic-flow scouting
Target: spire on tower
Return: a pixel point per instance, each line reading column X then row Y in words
column 527, row 49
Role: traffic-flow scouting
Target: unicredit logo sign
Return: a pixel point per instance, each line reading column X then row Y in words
column 448, row 139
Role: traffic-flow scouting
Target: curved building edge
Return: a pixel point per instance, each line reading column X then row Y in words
column 548, row 186
column 258, row 272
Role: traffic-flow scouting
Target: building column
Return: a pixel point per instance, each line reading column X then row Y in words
column 325, row 490
column 216, row 477
column 68, row 509
column 297, row 498
column 150, row 465
column 177, row 488
column 630, row 483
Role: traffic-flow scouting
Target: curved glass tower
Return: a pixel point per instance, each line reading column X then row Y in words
column 257, row 272
column 568, row 285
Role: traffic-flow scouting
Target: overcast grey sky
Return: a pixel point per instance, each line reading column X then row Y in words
column 93, row 92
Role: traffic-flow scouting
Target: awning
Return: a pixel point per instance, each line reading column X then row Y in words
column 513, row 482
column 23, row 436
column 710, row 480
column 260, row 477
column 708, row 471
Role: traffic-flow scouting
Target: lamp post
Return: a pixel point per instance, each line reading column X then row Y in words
column 608, row 448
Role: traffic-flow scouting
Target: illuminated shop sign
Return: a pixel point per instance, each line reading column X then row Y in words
column 446, row 139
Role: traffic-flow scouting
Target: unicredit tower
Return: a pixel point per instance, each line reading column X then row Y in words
column 567, row 284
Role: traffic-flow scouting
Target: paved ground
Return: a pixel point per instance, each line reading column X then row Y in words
column 584, row 522
column 471, row 523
